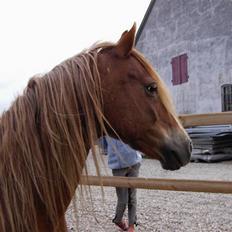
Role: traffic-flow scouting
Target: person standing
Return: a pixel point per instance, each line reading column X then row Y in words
column 124, row 161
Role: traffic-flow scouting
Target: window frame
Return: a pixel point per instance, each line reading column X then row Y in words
column 226, row 100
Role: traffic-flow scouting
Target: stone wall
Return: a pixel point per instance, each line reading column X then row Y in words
column 203, row 30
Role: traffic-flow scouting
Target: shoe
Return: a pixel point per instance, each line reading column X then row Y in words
column 131, row 228
column 123, row 225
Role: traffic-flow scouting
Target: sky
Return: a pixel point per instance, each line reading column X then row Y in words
column 36, row 35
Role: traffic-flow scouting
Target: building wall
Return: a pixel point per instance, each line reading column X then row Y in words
column 203, row 30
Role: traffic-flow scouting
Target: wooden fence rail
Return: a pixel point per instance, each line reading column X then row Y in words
column 189, row 120
column 207, row 186
column 173, row 184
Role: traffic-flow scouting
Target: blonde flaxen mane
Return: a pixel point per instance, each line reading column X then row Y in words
column 58, row 114
column 45, row 136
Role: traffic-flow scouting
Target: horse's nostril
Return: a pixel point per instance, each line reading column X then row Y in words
column 190, row 146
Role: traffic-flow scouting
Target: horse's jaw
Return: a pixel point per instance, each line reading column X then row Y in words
column 172, row 153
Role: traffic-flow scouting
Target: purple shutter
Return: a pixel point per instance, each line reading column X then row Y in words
column 183, row 68
column 175, row 70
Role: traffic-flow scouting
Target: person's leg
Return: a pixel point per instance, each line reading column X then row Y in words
column 132, row 198
column 122, row 197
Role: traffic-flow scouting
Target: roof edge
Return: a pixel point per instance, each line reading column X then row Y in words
column 143, row 23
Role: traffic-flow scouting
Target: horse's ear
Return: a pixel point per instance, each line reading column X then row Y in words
column 126, row 42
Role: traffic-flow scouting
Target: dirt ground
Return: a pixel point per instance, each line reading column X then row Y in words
column 161, row 211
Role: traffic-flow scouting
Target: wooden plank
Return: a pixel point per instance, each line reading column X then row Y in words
column 160, row 184
column 173, row 184
column 206, row 119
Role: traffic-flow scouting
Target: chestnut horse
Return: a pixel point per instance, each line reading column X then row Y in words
column 47, row 132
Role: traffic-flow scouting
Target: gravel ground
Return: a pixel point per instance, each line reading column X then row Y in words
column 161, row 211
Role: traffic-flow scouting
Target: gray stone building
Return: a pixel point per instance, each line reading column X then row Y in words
column 189, row 42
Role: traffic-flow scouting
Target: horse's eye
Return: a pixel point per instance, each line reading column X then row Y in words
column 151, row 89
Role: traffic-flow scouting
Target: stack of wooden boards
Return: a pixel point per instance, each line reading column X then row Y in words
column 211, row 143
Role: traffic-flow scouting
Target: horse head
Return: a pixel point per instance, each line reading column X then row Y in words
column 138, row 106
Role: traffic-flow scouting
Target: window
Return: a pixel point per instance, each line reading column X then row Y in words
column 179, row 69
column 227, row 97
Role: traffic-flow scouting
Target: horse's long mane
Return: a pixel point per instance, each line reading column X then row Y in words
column 57, row 115
column 45, row 136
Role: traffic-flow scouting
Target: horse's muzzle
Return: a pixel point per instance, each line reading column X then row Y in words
column 175, row 156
